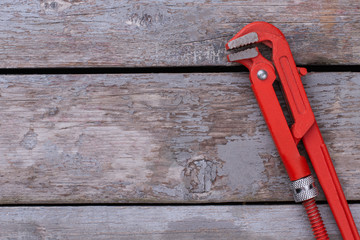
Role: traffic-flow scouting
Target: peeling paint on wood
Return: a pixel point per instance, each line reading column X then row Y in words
column 176, row 222
column 63, row 33
column 159, row 138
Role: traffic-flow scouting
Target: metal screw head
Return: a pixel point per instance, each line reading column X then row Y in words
column 262, row 74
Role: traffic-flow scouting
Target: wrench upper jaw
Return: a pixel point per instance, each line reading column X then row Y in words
column 242, row 40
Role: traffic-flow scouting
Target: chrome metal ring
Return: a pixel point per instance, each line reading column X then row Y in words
column 304, row 189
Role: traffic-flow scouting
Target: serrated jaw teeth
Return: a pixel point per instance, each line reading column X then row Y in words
column 246, row 54
column 242, row 41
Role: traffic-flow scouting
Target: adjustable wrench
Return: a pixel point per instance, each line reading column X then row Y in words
column 263, row 73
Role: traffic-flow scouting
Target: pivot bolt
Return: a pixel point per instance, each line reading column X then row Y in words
column 262, row 74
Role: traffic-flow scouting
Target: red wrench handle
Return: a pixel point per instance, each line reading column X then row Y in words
column 329, row 182
column 306, row 128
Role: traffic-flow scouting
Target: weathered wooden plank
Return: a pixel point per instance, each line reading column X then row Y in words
column 159, row 138
column 181, row 222
column 62, row 33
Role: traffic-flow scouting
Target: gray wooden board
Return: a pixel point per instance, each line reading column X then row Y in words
column 164, row 222
column 63, row 33
column 159, row 138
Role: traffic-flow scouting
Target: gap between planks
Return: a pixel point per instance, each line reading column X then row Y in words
column 154, row 70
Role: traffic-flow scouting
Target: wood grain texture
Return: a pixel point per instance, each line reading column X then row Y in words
column 89, row 33
column 159, row 138
column 160, row 223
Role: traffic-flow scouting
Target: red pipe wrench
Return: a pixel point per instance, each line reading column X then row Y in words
column 263, row 73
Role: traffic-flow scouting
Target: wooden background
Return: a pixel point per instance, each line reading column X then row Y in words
column 155, row 151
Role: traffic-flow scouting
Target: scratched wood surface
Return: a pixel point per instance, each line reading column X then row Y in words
column 159, row 138
column 88, row 33
column 162, row 223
